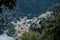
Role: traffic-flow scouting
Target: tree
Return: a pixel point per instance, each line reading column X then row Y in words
column 1, row 32
column 2, row 20
column 51, row 31
column 8, row 3
column 30, row 36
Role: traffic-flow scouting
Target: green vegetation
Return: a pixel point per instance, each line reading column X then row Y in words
column 1, row 32
column 10, row 4
column 2, row 20
column 30, row 36
column 49, row 30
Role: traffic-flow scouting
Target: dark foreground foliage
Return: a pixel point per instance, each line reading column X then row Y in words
column 10, row 4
